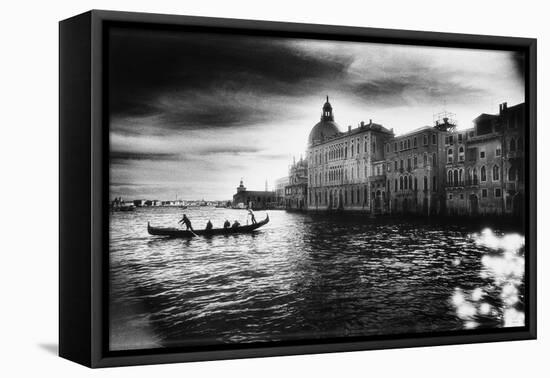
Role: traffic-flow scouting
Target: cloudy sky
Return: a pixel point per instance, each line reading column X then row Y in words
column 192, row 113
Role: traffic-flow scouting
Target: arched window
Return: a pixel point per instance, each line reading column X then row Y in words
column 394, row 188
column 425, row 183
column 496, row 173
column 410, row 182
column 405, row 183
column 475, row 176
column 460, row 176
column 512, row 144
column 483, row 174
column 425, row 160
column 415, row 160
column 401, row 183
column 456, row 177
column 434, row 159
column 415, row 184
column 449, row 177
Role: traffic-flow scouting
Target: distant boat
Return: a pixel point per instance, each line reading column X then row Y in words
column 183, row 207
column 179, row 233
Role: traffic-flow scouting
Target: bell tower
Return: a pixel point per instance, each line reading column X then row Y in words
column 327, row 112
column 241, row 187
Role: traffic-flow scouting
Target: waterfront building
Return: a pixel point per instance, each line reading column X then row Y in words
column 489, row 178
column 296, row 189
column 415, row 173
column 253, row 199
column 280, row 185
column 344, row 168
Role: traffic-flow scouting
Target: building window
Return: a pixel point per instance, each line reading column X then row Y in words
column 387, row 148
column 455, row 175
column 415, row 161
column 415, row 184
column 396, row 167
column 482, row 154
column 498, row 192
column 401, row 146
column 409, row 164
column 450, row 139
column 461, row 196
column 483, row 174
column 459, row 138
column 512, row 145
column 410, row 182
column 425, row 140
column 483, row 193
column 498, row 152
column 461, row 153
column 450, row 177
column 401, row 164
column 395, row 187
column 434, row 182
column 433, row 139
column 450, row 151
column 425, row 160
column 415, row 144
column 395, row 147
column 460, row 178
column 450, row 196
column 434, row 159
column 425, row 183
column 496, row 173
column 401, row 183
column 405, row 183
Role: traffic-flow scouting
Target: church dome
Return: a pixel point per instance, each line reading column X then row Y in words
column 326, row 128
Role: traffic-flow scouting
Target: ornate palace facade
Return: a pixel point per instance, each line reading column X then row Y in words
column 432, row 170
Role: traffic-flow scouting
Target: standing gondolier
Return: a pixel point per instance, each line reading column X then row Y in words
column 187, row 222
column 252, row 217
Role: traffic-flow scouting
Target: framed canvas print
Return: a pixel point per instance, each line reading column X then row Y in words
column 234, row 188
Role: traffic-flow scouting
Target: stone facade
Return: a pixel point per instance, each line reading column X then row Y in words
column 488, row 177
column 434, row 170
column 253, row 199
column 341, row 165
column 415, row 173
column 296, row 189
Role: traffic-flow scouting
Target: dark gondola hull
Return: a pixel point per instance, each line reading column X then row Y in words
column 179, row 233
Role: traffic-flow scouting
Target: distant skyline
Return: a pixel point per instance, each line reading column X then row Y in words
column 192, row 113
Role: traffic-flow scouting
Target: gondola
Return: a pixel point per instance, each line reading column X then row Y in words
column 179, row 233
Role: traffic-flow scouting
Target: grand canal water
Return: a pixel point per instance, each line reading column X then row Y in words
column 307, row 276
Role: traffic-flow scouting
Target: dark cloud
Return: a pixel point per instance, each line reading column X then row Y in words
column 428, row 88
column 123, row 156
column 193, row 80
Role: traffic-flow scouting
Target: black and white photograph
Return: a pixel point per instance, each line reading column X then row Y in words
column 268, row 189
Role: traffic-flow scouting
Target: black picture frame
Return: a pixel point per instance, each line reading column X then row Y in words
column 83, row 180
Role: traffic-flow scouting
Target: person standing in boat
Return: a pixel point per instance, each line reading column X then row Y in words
column 187, row 222
column 209, row 225
column 252, row 217
column 226, row 224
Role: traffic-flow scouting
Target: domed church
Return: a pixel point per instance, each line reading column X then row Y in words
column 326, row 128
column 345, row 167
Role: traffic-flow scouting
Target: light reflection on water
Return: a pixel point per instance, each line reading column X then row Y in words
column 305, row 276
column 500, row 301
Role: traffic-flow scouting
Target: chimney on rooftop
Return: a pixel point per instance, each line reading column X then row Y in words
column 349, row 128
